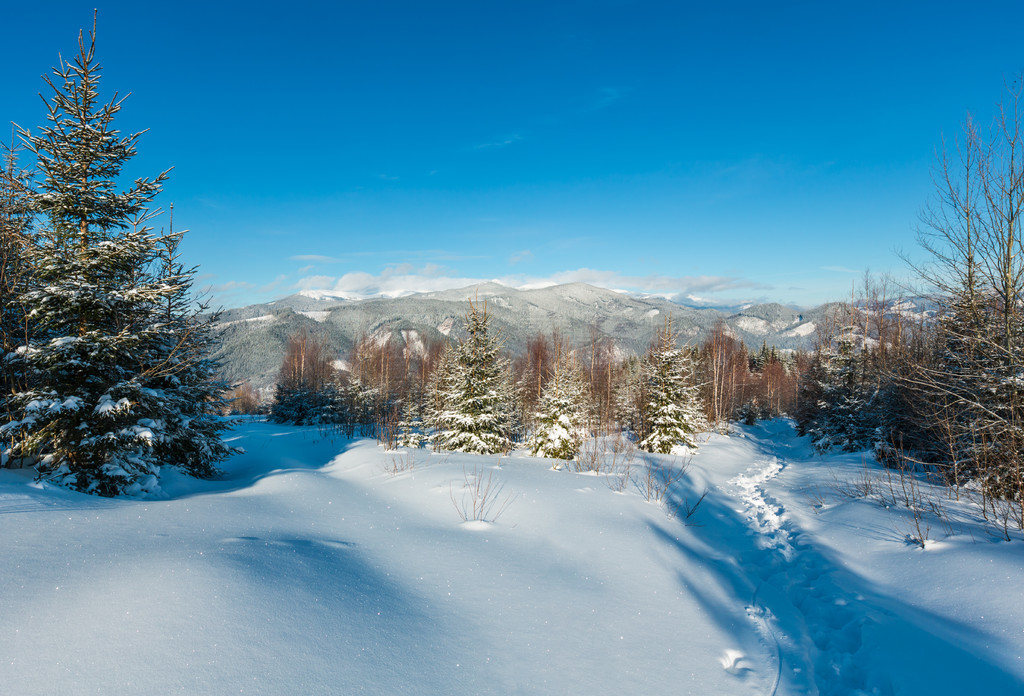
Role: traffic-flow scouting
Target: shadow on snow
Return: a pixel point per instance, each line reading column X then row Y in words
column 823, row 628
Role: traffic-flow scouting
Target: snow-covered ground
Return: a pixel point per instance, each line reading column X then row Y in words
column 321, row 566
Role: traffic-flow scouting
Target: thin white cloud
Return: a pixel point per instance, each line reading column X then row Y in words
column 524, row 255
column 317, row 282
column 229, row 294
column 404, row 279
column 606, row 97
column 209, row 202
column 314, row 258
column 396, row 281
column 502, row 142
column 614, row 280
column 275, row 284
column 230, row 285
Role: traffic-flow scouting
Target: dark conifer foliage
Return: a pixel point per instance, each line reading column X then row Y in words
column 118, row 382
column 847, row 409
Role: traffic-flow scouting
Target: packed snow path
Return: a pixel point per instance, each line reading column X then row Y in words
column 814, row 625
column 331, row 567
column 825, row 629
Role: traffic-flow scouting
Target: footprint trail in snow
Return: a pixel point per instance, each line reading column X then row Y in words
column 812, row 627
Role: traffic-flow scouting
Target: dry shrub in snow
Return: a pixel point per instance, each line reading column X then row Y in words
column 482, row 498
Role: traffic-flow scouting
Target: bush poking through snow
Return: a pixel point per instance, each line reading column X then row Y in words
column 653, row 481
column 864, row 486
column 612, row 456
column 685, row 510
column 894, row 487
column 482, row 498
column 410, row 428
column 399, row 462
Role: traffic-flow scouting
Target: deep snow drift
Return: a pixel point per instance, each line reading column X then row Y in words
column 331, row 566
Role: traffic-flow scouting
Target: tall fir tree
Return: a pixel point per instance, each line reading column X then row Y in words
column 631, row 398
column 673, row 409
column 473, row 410
column 562, row 412
column 119, row 382
column 411, row 427
column 440, row 391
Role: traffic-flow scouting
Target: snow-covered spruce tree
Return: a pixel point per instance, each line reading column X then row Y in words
column 955, row 392
column 412, row 422
column 673, row 401
column 411, row 426
column 118, row 379
column 631, row 398
column 364, row 402
column 510, row 404
column 473, row 410
column 440, row 392
column 846, row 417
column 562, row 412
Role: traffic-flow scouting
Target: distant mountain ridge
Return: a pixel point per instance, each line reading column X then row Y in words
column 253, row 337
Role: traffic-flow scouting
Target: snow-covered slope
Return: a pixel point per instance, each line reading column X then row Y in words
column 322, row 566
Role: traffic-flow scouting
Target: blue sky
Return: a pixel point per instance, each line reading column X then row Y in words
column 731, row 151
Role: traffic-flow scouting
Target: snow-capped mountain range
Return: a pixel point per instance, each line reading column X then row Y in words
column 254, row 336
column 377, row 291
